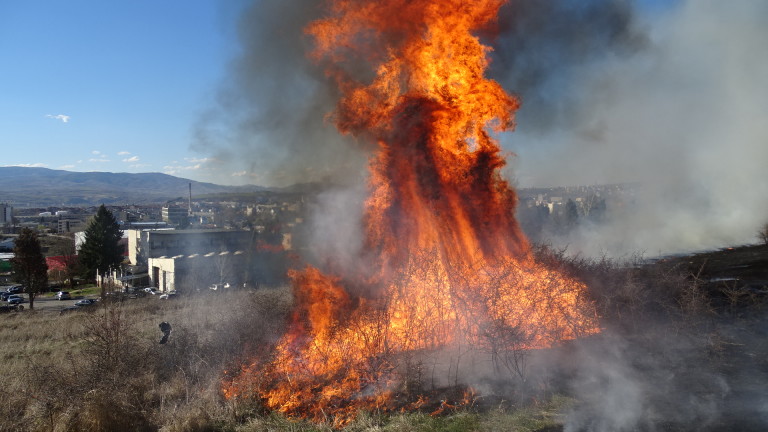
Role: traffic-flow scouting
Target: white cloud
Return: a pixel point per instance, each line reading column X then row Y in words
column 246, row 174
column 179, row 168
column 123, row 153
column 194, row 164
column 65, row 167
column 139, row 166
column 96, row 152
column 196, row 160
column 100, row 160
column 62, row 117
column 131, row 159
column 32, row 165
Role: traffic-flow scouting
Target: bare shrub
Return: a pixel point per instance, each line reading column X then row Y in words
column 762, row 234
column 105, row 371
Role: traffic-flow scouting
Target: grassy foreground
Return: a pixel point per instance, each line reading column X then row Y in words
column 103, row 370
column 681, row 349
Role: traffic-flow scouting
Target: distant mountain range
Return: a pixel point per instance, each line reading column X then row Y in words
column 41, row 187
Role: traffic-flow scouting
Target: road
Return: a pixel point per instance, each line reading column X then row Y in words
column 50, row 304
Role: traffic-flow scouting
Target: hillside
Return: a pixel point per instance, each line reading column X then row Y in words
column 39, row 187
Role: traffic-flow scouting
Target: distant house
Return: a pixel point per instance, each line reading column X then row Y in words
column 70, row 225
column 175, row 215
column 80, row 239
column 193, row 259
column 146, row 244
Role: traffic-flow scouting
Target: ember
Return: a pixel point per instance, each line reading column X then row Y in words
column 449, row 268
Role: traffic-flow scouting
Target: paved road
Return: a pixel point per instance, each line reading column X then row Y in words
column 49, row 304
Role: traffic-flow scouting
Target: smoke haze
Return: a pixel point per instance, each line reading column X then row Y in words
column 678, row 111
column 670, row 98
column 269, row 121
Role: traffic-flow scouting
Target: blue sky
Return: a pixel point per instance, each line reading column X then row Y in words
column 110, row 86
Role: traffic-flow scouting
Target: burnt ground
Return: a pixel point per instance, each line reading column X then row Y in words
column 734, row 281
column 734, row 276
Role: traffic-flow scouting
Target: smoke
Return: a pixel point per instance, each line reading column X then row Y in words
column 668, row 97
column 543, row 46
column 335, row 227
column 677, row 109
column 672, row 99
column 269, row 119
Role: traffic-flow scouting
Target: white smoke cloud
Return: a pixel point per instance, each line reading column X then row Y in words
column 684, row 118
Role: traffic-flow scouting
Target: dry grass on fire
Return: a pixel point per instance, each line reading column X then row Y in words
column 104, row 370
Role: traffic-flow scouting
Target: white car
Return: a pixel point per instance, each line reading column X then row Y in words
column 168, row 295
column 151, row 290
column 215, row 287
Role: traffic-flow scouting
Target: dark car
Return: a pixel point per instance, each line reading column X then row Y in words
column 15, row 299
column 16, row 289
column 4, row 295
column 63, row 295
column 85, row 302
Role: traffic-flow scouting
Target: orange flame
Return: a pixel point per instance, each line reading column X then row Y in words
column 450, row 264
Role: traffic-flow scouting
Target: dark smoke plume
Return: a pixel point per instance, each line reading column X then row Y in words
column 269, row 124
column 543, row 45
column 670, row 97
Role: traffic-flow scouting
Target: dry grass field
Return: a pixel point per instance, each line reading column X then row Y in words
column 680, row 339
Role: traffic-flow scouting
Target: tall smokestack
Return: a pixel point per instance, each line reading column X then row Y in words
column 190, row 198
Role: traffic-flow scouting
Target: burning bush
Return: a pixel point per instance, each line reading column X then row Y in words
column 448, row 273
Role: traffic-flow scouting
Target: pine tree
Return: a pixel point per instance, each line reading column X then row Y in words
column 29, row 266
column 101, row 250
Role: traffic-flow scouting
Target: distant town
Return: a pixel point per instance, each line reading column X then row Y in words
column 244, row 239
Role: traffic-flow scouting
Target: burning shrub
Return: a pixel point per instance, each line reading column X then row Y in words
column 448, row 274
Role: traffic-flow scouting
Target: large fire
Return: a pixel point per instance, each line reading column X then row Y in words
column 448, row 267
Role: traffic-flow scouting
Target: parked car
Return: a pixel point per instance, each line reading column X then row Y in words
column 85, row 302
column 169, row 295
column 16, row 289
column 15, row 299
column 4, row 295
column 63, row 295
column 151, row 290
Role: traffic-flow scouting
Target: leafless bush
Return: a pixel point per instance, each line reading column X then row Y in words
column 105, row 371
column 762, row 234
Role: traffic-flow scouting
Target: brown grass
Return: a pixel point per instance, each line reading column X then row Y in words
column 105, row 371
